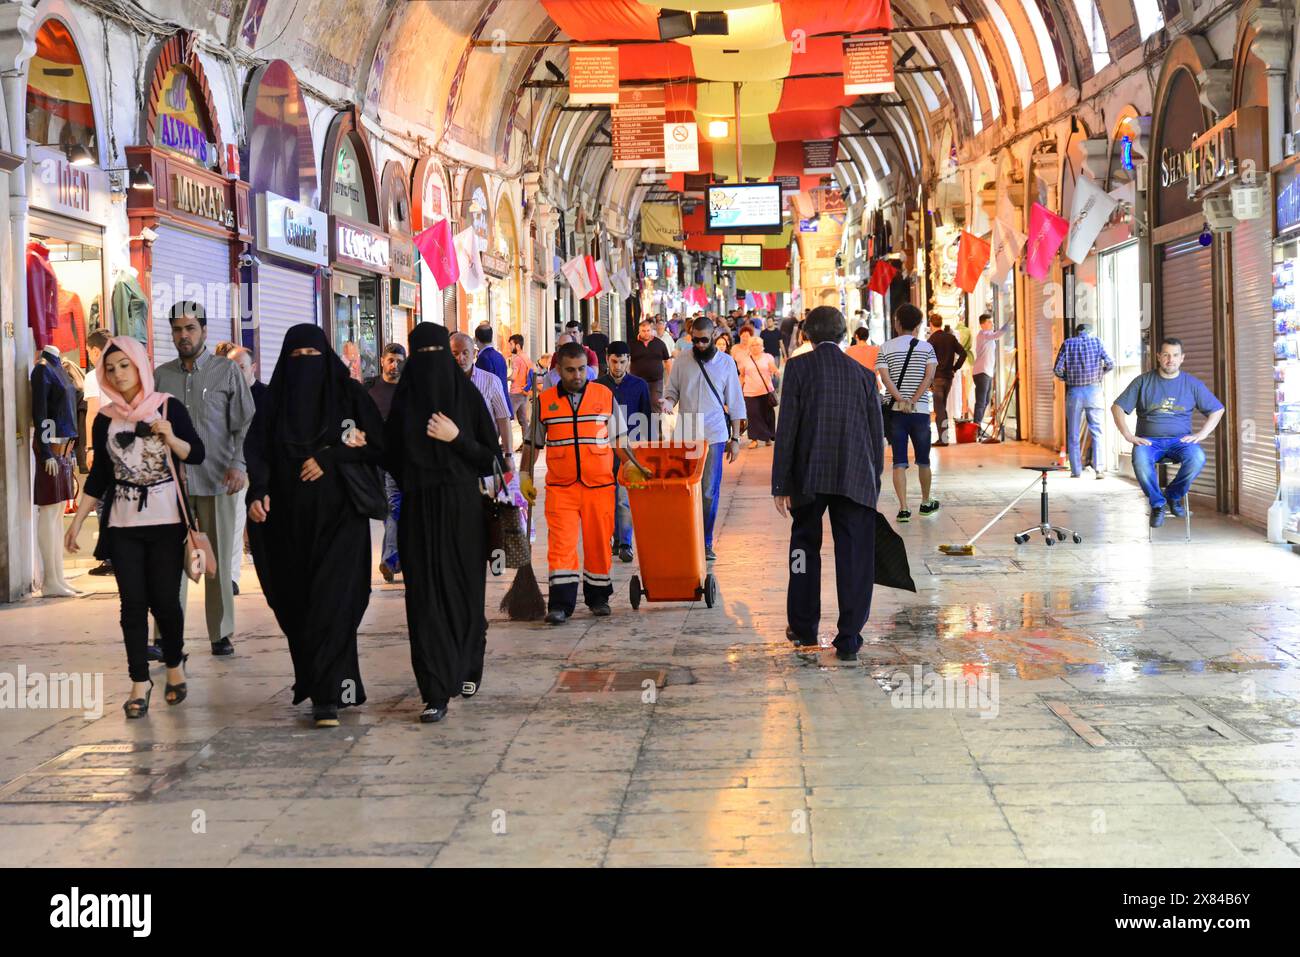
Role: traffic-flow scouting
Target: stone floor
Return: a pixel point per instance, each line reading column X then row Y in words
column 1116, row 702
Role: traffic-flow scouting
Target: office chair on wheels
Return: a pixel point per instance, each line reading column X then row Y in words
column 1051, row 533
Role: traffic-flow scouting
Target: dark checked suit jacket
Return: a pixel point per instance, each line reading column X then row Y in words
column 829, row 438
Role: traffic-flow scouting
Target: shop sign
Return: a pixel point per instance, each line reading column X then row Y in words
column 1286, row 186
column 593, row 75
column 681, row 148
column 1208, row 160
column 868, row 65
column 58, row 186
column 404, row 293
column 789, row 184
column 207, row 201
column 638, row 128
column 361, row 246
column 495, row 265
column 819, row 156
column 292, row 230
column 402, row 253
column 808, row 225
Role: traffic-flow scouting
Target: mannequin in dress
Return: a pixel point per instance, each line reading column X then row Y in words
column 54, row 433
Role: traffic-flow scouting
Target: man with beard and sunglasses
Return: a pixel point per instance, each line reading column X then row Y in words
column 705, row 386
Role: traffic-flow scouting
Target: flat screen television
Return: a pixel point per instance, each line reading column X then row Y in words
column 747, row 208
column 742, row 256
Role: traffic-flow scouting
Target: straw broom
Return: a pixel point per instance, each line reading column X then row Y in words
column 523, row 601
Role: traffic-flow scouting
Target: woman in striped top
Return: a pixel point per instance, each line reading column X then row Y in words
column 906, row 366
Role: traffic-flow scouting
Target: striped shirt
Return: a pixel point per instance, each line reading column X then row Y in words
column 893, row 356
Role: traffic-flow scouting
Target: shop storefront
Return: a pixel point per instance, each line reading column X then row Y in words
column 292, row 234
column 199, row 217
column 474, row 201
column 429, row 207
column 69, row 193
column 1044, row 315
column 501, row 265
column 1286, row 341
column 360, row 254
column 403, row 285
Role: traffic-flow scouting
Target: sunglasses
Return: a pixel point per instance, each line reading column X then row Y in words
column 125, row 439
column 701, row 342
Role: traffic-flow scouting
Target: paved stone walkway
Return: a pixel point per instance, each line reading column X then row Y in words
column 1115, row 702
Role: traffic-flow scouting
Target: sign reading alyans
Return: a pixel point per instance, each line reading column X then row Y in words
column 292, row 230
column 201, row 199
column 362, row 247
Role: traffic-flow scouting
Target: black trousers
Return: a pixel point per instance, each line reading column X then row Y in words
column 148, row 561
column 940, row 389
column 853, row 527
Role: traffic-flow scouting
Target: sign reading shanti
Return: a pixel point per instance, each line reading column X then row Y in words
column 638, row 124
column 1211, row 157
column 868, row 64
column 593, row 75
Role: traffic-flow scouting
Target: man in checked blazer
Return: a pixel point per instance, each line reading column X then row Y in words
column 829, row 456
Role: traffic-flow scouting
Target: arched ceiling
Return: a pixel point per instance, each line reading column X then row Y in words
column 450, row 72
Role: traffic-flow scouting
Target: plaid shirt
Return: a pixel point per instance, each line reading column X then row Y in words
column 829, row 435
column 1082, row 360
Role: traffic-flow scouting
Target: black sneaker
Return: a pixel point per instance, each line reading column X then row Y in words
column 103, row 568
column 557, row 617
column 1157, row 516
column 223, row 647
column 709, row 554
column 904, row 515
column 234, row 588
column 432, row 714
column 1178, row 506
column 625, row 553
column 844, row 655
column 793, row 637
column 601, row 610
column 468, row 689
column 930, row 507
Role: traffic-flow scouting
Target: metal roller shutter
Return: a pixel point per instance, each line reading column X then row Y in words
column 285, row 297
column 1042, row 358
column 449, row 317
column 191, row 266
column 1252, row 322
column 536, row 311
column 1187, row 313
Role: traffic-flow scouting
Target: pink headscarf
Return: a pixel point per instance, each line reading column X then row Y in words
column 146, row 401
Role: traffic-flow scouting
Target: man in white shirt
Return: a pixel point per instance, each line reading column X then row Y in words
column 705, row 385
column 906, row 367
column 986, row 355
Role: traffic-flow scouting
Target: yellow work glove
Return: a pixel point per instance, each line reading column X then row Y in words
column 528, row 488
column 635, row 477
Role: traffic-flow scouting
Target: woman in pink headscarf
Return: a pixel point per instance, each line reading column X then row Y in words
column 142, row 531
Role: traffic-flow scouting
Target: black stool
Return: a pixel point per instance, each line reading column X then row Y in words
column 1052, row 533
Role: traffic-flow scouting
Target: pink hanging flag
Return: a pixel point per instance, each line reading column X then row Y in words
column 593, row 277
column 1046, row 233
column 439, row 252
column 771, row 302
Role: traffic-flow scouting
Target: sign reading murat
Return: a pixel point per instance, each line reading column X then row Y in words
column 201, row 199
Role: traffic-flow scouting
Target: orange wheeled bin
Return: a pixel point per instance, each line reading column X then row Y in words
column 668, row 520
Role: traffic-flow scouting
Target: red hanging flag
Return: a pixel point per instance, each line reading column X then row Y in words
column 881, row 276
column 972, row 257
column 439, row 253
column 593, row 276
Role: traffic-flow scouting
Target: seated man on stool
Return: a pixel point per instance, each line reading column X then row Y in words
column 1164, row 399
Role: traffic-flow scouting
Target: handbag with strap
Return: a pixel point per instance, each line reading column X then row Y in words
column 365, row 487
column 770, row 395
column 507, row 536
column 887, row 406
column 722, row 405
column 200, row 558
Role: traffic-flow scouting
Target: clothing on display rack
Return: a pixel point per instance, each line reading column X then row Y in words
column 70, row 330
column 130, row 307
column 42, row 294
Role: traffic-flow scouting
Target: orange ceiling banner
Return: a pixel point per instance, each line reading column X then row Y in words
column 633, row 20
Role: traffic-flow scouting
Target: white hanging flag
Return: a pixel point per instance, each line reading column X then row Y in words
column 1008, row 243
column 1092, row 207
column 575, row 271
column 603, row 274
column 623, row 283
column 471, row 264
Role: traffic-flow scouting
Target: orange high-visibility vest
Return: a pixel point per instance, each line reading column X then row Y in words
column 577, row 442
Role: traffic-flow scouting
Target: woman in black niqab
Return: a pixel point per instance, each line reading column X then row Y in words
column 440, row 439
column 312, row 550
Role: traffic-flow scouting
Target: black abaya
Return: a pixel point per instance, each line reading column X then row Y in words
column 441, row 534
column 312, row 553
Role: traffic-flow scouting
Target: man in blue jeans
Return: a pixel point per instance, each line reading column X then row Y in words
column 705, row 387
column 1164, row 399
column 633, row 395
column 1081, row 364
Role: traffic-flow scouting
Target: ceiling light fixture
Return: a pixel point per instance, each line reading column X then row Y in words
column 911, row 52
column 675, row 24
column 718, row 129
column 555, row 71
column 711, row 23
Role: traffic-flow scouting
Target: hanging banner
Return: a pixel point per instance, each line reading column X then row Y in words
column 575, row 272
column 637, row 128
column 819, row 156
column 467, row 260
column 868, row 65
column 1046, row 233
column 1008, row 242
column 593, row 75
column 881, row 276
column 1090, row 210
column 972, row 257
column 439, row 253
column 681, row 147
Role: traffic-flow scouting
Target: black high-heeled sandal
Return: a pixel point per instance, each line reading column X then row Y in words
column 180, row 690
column 138, row 707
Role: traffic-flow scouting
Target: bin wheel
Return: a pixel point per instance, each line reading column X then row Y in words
column 1021, row 539
column 1078, row 539
column 710, row 590
column 634, row 592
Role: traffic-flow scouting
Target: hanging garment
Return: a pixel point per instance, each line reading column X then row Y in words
column 70, row 332
column 42, row 295
column 54, row 412
column 130, row 308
